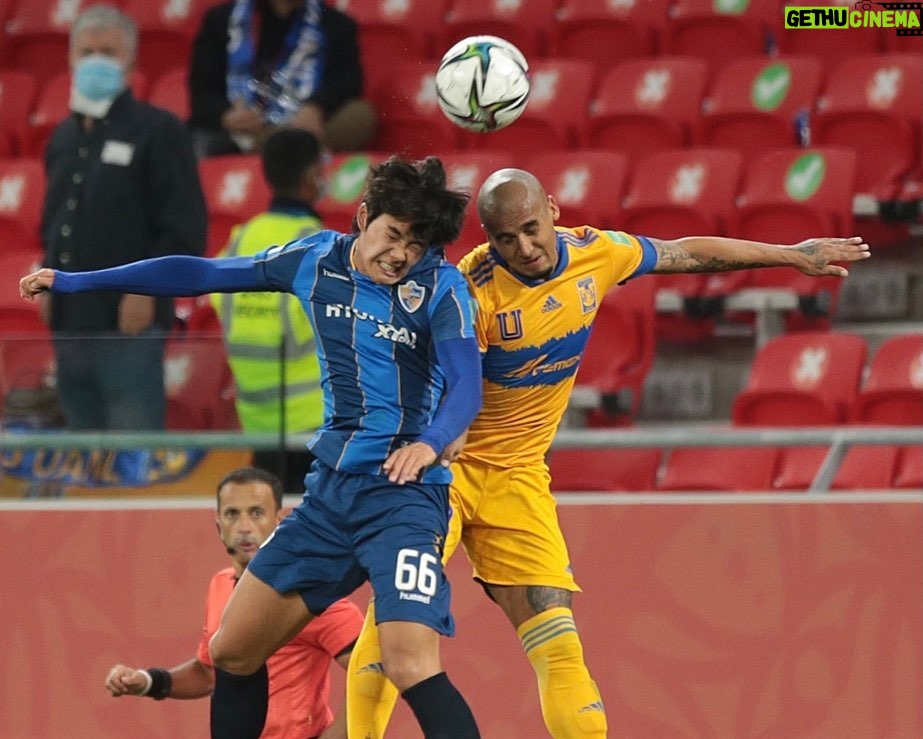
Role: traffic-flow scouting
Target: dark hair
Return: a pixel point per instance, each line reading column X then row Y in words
column 286, row 154
column 416, row 192
column 243, row 475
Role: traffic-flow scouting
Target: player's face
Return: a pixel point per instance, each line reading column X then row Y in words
column 247, row 515
column 522, row 231
column 385, row 250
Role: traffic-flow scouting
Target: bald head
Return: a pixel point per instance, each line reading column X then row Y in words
column 506, row 190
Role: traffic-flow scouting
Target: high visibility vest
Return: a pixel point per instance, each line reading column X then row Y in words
column 270, row 344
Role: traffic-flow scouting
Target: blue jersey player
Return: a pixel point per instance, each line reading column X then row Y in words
column 401, row 375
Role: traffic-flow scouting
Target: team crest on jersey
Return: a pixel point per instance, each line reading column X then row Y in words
column 411, row 295
column 586, row 289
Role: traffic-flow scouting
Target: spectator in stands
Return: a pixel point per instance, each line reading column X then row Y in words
column 249, row 508
column 538, row 288
column 268, row 336
column 122, row 186
column 257, row 64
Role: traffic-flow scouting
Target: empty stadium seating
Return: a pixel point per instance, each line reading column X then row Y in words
column 527, row 25
column 587, row 185
column 892, row 392
column 802, row 379
column 18, row 317
column 556, row 114
column 730, row 469
column 908, row 471
column 199, row 385
column 17, row 96
column 603, row 469
column 754, row 102
column 235, row 190
column 862, row 468
column 36, row 36
column 872, row 104
column 169, row 91
column 22, row 192
column 346, row 176
column 646, row 105
column 165, row 32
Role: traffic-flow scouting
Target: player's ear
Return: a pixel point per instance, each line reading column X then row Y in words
column 553, row 207
column 362, row 215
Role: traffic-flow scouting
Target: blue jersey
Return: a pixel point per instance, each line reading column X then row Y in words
column 379, row 375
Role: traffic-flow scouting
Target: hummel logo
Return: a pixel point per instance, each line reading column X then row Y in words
column 594, row 706
column 335, row 275
column 550, row 304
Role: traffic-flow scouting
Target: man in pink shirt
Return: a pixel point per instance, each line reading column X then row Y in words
column 249, row 508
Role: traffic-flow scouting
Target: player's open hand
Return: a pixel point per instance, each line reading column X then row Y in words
column 123, row 680
column 32, row 285
column 404, row 465
column 821, row 255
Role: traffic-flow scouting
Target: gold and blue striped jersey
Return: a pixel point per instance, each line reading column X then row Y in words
column 532, row 334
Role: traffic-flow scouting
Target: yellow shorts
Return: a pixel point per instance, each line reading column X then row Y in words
column 507, row 521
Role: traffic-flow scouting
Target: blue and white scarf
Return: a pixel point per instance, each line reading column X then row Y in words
column 299, row 70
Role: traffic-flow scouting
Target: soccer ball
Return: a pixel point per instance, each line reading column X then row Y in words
column 482, row 83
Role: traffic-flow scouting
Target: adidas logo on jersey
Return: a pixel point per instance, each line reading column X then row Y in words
column 550, row 304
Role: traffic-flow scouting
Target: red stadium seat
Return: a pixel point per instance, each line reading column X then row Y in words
column 525, row 24
column 17, row 96
column 18, row 317
column 711, row 468
column 647, row 105
column 603, row 470
column 590, row 30
column 909, row 468
column 862, row 468
column 22, row 193
column 802, row 379
column 36, row 37
column 793, row 194
column 893, row 389
column 620, row 350
column 199, row 385
column 410, row 120
column 830, row 47
column 407, row 29
column 558, row 109
column 587, row 185
column 719, row 32
column 872, row 104
column 467, row 170
column 170, row 92
column 346, row 177
column 166, row 29
column 754, row 103
column 235, row 191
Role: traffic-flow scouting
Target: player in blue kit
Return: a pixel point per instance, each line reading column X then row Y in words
column 401, row 375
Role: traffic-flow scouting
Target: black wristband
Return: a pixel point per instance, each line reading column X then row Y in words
column 161, row 682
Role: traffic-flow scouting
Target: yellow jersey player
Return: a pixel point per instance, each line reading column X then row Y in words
column 538, row 287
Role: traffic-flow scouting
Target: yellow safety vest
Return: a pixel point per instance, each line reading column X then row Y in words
column 269, row 341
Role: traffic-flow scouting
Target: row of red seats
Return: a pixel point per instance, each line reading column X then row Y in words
column 800, row 379
column 732, row 469
column 868, row 103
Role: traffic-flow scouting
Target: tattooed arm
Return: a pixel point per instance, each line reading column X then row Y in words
column 719, row 254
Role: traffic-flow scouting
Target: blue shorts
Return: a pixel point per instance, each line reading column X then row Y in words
column 350, row 528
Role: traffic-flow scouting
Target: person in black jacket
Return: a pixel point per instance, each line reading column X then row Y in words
column 258, row 64
column 122, row 186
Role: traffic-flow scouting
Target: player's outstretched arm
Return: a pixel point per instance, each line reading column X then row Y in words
column 818, row 256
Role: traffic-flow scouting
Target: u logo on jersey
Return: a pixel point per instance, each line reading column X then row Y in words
column 411, row 295
column 510, row 324
column 586, row 290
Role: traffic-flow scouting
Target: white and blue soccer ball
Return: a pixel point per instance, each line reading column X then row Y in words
column 482, row 83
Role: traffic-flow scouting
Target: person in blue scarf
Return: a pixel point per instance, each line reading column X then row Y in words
column 259, row 64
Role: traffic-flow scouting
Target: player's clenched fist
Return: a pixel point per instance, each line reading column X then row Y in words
column 31, row 285
column 123, row 680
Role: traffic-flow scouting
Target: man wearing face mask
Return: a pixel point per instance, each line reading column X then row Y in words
column 122, row 186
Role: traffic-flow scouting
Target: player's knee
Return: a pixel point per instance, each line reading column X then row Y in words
column 225, row 657
column 406, row 670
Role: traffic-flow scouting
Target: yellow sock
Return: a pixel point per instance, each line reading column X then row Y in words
column 370, row 696
column 571, row 704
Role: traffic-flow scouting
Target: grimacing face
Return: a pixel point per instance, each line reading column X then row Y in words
column 385, row 250
column 521, row 228
column 247, row 515
column 110, row 42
